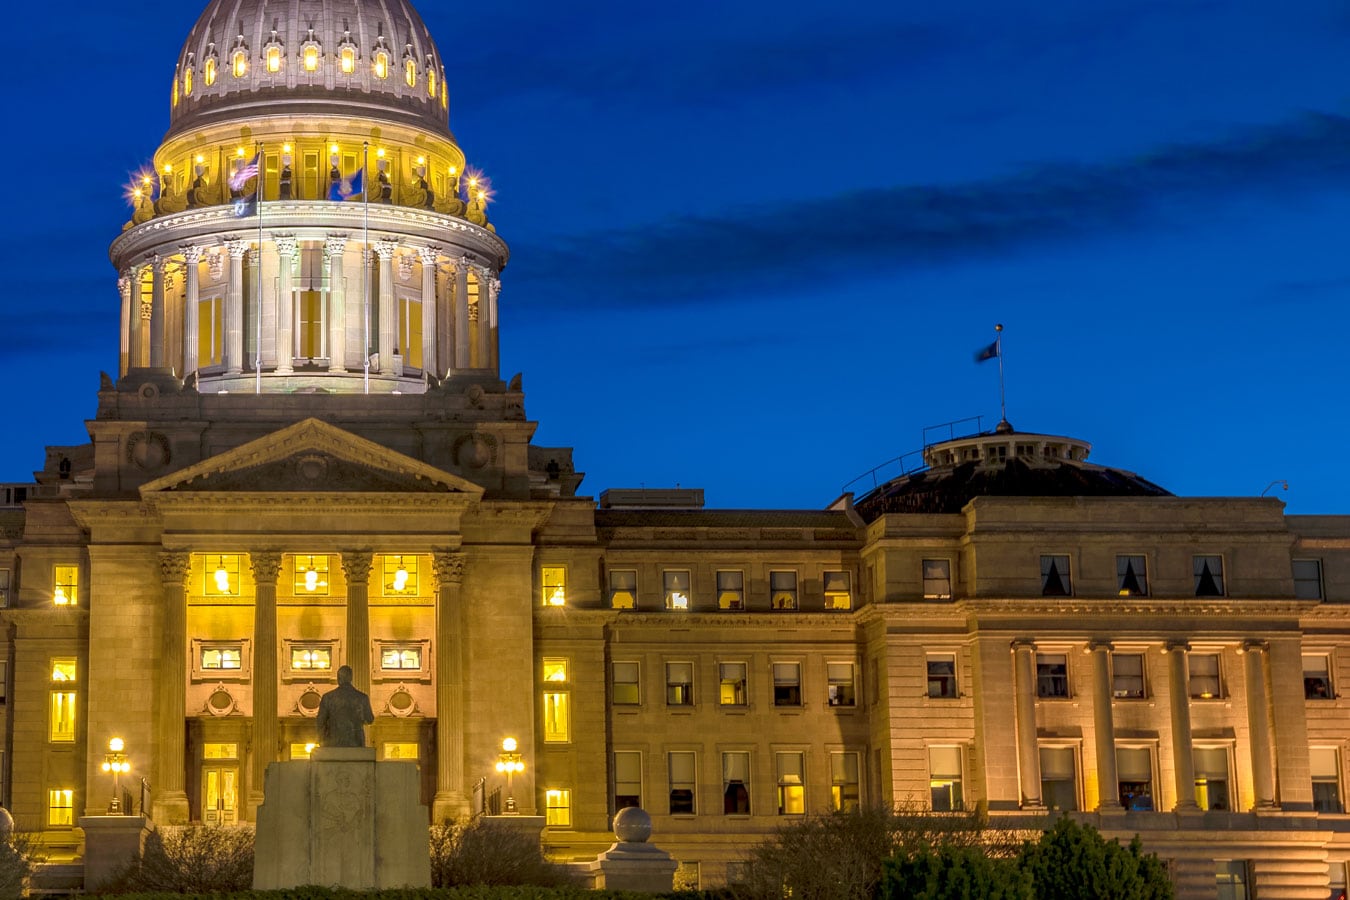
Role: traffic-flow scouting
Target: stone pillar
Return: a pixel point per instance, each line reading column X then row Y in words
column 285, row 244
column 266, row 566
column 461, row 360
column 450, row 802
column 157, row 264
column 494, row 288
column 171, row 804
column 429, row 256
column 384, row 250
column 475, row 333
column 333, row 248
column 192, row 256
column 140, row 353
column 482, row 334
column 1104, row 726
column 356, row 568
column 127, row 322
column 234, row 307
column 1258, row 724
column 1183, row 758
column 1028, row 749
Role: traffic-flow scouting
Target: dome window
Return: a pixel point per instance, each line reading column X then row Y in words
column 173, row 96
column 410, row 72
column 347, row 59
column 273, row 58
column 209, row 71
column 310, row 57
column 381, row 64
column 187, row 82
column 445, row 96
column 431, row 78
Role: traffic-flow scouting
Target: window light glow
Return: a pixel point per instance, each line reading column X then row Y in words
column 239, row 64
column 200, row 159
column 421, row 160
column 209, row 71
column 381, row 64
column 274, row 59
column 222, row 579
column 410, row 73
column 348, row 60
column 379, row 153
column 400, row 578
column 332, row 148
column 509, row 745
column 311, row 58
column 116, row 745
column 187, row 82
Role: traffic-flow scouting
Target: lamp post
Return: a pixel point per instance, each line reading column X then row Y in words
column 115, row 761
column 509, row 761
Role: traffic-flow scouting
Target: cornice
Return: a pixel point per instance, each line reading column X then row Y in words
column 813, row 621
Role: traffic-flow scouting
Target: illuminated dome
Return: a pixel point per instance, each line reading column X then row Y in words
column 372, row 59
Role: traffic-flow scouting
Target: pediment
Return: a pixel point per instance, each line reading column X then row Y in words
column 311, row 456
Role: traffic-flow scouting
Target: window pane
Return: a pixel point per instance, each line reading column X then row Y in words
column 1127, row 675
column 1317, row 678
column 682, row 782
column 844, row 794
column 1052, row 675
column 554, row 581
column 676, row 586
column 841, row 690
column 736, row 783
column 679, row 684
column 838, row 590
column 730, row 590
column 944, row 767
column 1308, row 579
column 1208, row 572
column 1204, row 675
column 942, row 677
column 791, row 784
column 626, row 683
column 1055, row 580
column 937, row 579
column 783, row 590
column 1134, row 769
column 1059, row 778
column 731, row 688
column 1132, row 576
column 623, row 589
column 627, row 779
column 787, row 684
column 556, row 725
column 557, row 806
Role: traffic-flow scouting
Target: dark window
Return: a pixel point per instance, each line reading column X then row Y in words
column 942, row 676
column 1052, row 675
column 1132, row 576
column 1208, row 575
column 1055, row 580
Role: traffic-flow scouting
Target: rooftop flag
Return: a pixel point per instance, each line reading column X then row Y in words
column 348, row 187
column 245, row 172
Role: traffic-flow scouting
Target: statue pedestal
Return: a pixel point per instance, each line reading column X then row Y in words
column 341, row 819
column 111, row 844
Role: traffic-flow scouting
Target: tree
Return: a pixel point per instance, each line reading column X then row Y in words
column 954, row 873
column 1074, row 862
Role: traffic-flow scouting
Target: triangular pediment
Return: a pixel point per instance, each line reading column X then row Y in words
column 311, row 456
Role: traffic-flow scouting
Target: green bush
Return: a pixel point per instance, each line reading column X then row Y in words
column 1074, row 862
column 954, row 873
column 482, row 852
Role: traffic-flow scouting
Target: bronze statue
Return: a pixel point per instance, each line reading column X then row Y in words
column 344, row 713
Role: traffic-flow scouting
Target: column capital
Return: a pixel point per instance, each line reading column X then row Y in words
column 1254, row 645
column 174, row 566
column 384, row 248
column 1172, row 646
column 449, row 565
column 334, row 244
column 429, row 254
column 1100, row 645
column 494, row 288
column 157, row 263
column 356, row 565
column 124, row 284
column 192, row 253
column 266, row 565
column 285, row 244
column 461, row 263
column 237, row 247
column 1024, row 644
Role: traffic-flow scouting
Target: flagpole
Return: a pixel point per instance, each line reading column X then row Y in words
column 1002, row 396
column 257, row 349
column 365, row 259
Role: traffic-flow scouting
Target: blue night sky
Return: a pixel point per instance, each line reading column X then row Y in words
column 755, row 245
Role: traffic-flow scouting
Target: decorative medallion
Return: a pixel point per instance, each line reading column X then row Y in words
column 308, row 704
column 148, row 450
column 221, row 702
column 475, row 395
column 474, row 451
column 311, row 468
column 401, row 703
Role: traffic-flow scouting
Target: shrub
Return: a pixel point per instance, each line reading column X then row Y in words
column 491, row 853
column 1074, row 862
column 18, row 858
column 191, row 859
column 954, row 873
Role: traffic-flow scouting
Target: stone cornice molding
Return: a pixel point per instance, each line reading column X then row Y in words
column 1072, row 608
column 45, row 615
column 267, row 502
column 658, row 619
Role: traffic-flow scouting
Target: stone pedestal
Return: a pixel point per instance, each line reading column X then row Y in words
column 341, row 819
column 111, row 843
column 632, row 864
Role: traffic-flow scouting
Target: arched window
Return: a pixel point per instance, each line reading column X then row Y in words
column 445, row 96
column 347, row 59
column 309, row 57
column 209, row 71
column 381, row 64
column 173, row 96
column 187, row 82
column 239, row 63
column 273, row 58
column 431, row 78
column 410, row 72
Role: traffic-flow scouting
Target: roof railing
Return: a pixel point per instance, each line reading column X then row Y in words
column 905, row 464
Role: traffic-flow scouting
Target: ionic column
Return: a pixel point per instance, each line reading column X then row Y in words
column 157, row 263
column 333, row 248
column 356, row 568
column 266, row 566
column 234, row 308
column 124, row 349
column 428, row 256
column 285, row 244
column 1028, row 749
column 494, row 288
column 192, row 255
column 171, row 803
column 461, row 313
column 1104, row 725
column 384, row 250
column 1183, row 758
column 1258, row 723
column 450, row 801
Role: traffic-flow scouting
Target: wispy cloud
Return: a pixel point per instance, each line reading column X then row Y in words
column 865, row 232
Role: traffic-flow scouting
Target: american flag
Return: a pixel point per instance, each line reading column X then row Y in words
column 245, row 172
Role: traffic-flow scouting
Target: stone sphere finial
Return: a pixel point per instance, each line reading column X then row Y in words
column 632, row 825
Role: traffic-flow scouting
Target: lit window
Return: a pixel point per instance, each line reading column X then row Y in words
column 431, row 82
column 173, row 93
column 1326, row 780
column 1059, row 778
column 555, row 669
column 239, row 63
column 1127, row 676
column 61, row 807
column 213, row 750
column 401, row 657
column 838, row 590
column 220, row 575
column 410, row 73
column 310, row 658
column 1308, row 579
column 791, row 783
column 730, row 590
column 309, row 57
column 944, row 779
column 1134, row 771
column 623, row 588
column 62, row 724
column 626, row 688
column 1132, row 576
column 675, row 583
column 1317, row 677
column 627, row 779
column 1203, row 683
column 64, row 670
column 273, row 59
column 1211, row 777
column 445, row 97
column 554, row 579
column 736, row 783
column 942, row 676
column 556, row 724
column 731, row 684
column 311, row 575
column 222, row 656
column 66, row 585
column 399, row 575
column 679, row 684
column 399, row 750
column 844, row 793
column 841, row 690
column 4, row 685
column 347, row 60
column 1055, row 580
column 1208, row 575
column 937, row 579
column 4, row 587
column 1230, row 878
column 299, row 750
column 787, row 684
column 187, row 82
column 209, row 71
column 380, row 66
column 681, row 765
column 1052, row 675
column 558, row 806
column 783, row 590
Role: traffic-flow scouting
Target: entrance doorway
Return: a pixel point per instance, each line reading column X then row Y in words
column 220, row 795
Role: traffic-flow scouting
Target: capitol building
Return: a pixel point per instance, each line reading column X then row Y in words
column 309, row 457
